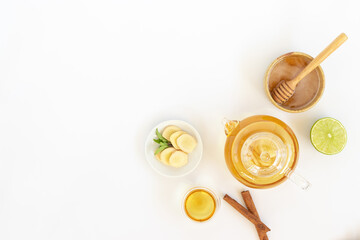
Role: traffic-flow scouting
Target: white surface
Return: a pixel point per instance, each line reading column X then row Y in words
column 83, row 82
column 194, row 157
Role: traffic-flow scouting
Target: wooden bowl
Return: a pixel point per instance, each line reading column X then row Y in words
column 307, row 93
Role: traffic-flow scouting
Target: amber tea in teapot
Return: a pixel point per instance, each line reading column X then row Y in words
column 261, row 151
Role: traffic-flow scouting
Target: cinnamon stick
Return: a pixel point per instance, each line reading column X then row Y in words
column 251, row 217
column 251, row 207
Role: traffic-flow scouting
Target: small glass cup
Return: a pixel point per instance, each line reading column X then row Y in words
column 200, row 204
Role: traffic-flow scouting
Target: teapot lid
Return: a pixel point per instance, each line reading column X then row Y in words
column 264, row 154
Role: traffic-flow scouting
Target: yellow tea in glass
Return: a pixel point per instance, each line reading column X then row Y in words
column 200, row 204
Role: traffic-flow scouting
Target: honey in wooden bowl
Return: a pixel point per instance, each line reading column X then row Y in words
column 307, row 92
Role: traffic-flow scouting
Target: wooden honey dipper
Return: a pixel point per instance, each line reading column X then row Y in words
column 285, row 89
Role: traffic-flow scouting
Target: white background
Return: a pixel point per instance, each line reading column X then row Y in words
column 83, row 82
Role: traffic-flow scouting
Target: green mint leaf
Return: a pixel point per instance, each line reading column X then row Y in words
column 157, row 141
column 164, row 144
column 158, row 134
column 161, row 148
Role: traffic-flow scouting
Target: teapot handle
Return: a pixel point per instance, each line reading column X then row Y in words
column 299, row 180
column 229, row 125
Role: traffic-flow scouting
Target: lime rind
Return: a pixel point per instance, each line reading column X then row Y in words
column 328, row 136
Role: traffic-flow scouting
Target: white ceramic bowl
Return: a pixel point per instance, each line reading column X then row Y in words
column 168, row 171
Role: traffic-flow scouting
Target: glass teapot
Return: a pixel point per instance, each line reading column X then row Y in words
column 262, row 151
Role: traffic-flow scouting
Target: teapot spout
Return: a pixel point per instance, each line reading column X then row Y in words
column 229, row 125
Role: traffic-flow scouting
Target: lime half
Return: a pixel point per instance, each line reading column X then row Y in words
column 328, row 136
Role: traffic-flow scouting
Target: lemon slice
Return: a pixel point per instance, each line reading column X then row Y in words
column 328, row 136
